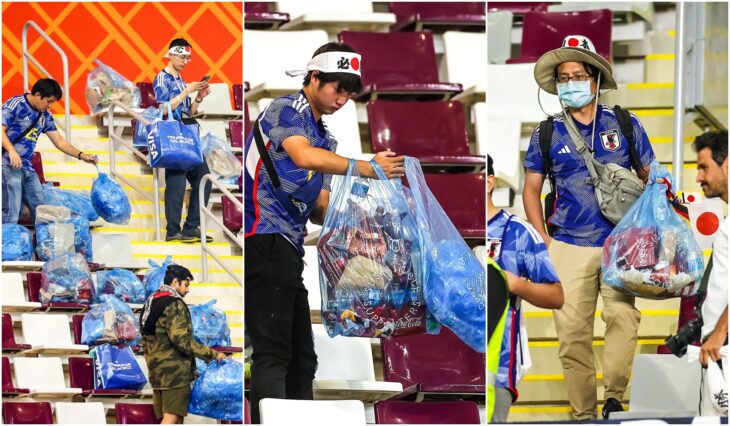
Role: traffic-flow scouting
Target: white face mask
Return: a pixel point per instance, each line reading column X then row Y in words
column 575, row 94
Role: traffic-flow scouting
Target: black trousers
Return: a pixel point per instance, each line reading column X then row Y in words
column 175, row 193
column 276, row 315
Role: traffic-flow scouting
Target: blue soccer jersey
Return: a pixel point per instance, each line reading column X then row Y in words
column 516, row 247
column 577, row 216
column 18, row 115
column 167, row 88
column 284, row 117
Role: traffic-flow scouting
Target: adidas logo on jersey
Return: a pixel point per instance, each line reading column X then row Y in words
column 564, row 150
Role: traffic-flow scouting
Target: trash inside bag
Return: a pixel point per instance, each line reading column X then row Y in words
column 122, row 283
column 110, row 321
column 17, row 243
column 219, row 157
column 110, row 201
column 218, row 392
column 155, row 275
column 104, row 85
column 210, row 326
column 77, row 201
column 60, row 230
column 66, row 278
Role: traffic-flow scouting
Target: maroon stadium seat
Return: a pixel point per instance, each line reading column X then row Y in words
column 27, row 413
column 9, row 390
column 544, row 31
column 462, row 198
column 246, row 412
column 433, row 132
column 438, row 16
column 409, row 413
column 34, row 286
column 236, row 129
column 258, row 17
column 135, row 414
column 399, row 65
column 9, row 344
column 81, row 374
column 518, row 7
column 232, row 215
column 147, row 93
column 37, row 162
column 428, row 363
column 238, row 97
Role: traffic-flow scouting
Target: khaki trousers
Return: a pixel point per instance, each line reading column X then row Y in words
column 579, row 269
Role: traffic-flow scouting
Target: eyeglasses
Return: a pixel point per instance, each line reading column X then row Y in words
column 184, row 58
column 577, row 78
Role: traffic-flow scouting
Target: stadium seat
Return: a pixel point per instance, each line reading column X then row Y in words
column 81, row 375
column 216, row 127
column 257, row 16
column 518, row 102
column 43, row 376
column 399, row 65
column 344, row 127
column 507, row 165
column 9, row 344
column 438, row 16
column 237, row 97
column 27, row 413
column 147, row 93
column 218, row 102
column 114, row 250
column 85, row 413
column 135, row 414
column 232, row 215
column 289, row 411
column 334, row 16
column 452, row 368
column 9, row 389
column 622, row 11
column 37, row 162
column 518, row 7
column 236, row 129
column 14, row 294
column 406, row 412
column 246, row 411
column 49, row 334
column 464, row 62
column 479, row 118
column 34, row 286
column 345, row 369
column 545, row 31
column 462, row 196
column 499, row 33
column 433, row 132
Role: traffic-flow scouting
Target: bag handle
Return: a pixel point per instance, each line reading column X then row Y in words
column 169, row 111
column 378, row 170
column 581, row 147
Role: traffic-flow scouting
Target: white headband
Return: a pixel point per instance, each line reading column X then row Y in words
column 179, row 50
column 331, row 62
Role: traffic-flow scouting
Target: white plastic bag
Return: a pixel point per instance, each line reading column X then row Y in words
column 713, row 393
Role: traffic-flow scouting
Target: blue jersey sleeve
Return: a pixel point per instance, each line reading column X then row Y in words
column 50, row 125
column 284, row 122
column 532, row 259
column 533, row 157
column 162, row 88
column 643, row 147
column 8, row 115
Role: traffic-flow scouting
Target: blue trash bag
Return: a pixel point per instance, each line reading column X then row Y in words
column 218, row 392
column 219, row 156
column 370, row 257
column 151, row 114
column 105, row 85
column 110, row 201
column 110, row 321
column 17, row 242
column 121, row 283
column 455, row 290
column 173, row 145
column 155, row 275
column 60, row 230
column 66, row 278
column 652, row 252
column 77, row 201
column 210, row 326
column 200, row 366
column 116, row 368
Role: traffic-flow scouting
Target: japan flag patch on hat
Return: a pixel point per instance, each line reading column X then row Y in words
column 579, row 41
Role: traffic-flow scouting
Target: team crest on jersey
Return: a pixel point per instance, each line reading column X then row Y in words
column 42, row 120
column 494, row 247
column 610, row 140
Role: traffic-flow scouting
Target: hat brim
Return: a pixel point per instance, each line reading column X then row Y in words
column 545, row 67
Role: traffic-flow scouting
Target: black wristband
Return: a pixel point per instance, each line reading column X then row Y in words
column 78, row 157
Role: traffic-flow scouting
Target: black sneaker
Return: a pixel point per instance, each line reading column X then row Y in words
column 194, row 236
column 612, row 405
column 180, row 237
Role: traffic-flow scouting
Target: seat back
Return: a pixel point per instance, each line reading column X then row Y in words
column 406, row 412
column 218, row 101
column 256, row 7
column 342, row 358
column 479, row 118
column 85, row 413
column 296, row 8
column 404, row 11
column 237, row 96
column 147, row 93
column 39, row 373
column 232, row 215
column 135, row 414
column 518, row 7
column 418, row 129
column 37, row 162
column 7, row 379
column 518, row 101
column 236, row 129
column 465, row 58
column 678, row 380
column 8, row 335
column 440, row 359
column 346, row 131
column 499, row 33
column 290, row 411
column 46, row 329
column 30, row 413
column 34, row 283
column 247, row 120
column 81, row 372
column 112, row 248
column 216, row 127
column 394, row 58
column 462, row 197
column 13, row 290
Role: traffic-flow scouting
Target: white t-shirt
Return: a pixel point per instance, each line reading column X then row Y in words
column 717, row 287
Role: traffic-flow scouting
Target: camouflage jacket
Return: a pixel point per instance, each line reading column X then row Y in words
column 170, row 354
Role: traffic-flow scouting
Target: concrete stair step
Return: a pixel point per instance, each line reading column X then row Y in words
column 533, row 413
column 642, row 95
column 191, row 260
column 659, row 67
column 177, row 248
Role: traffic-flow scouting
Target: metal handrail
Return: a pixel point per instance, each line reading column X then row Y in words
column 27, row 55
column 679, row 104
column 113, row 137
column 204, row 212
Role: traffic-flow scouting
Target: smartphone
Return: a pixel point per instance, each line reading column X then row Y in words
column 205, row 79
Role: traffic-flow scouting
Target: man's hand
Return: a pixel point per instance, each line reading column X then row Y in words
column 14, row 158
column 710, row 350
column 391, row 165
column 88, row 158
column 195, row 86
column 220, row 357
column 205, row 91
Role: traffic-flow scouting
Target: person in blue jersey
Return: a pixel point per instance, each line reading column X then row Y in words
column 170, row 87
column 289, row 162
column 25, row 117
column 521, row 253
column 576, row 73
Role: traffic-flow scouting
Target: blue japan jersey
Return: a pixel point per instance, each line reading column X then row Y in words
column 166, row 88
column 577, row 215
column 18, row 114
column 516, row 247
column 285, row 117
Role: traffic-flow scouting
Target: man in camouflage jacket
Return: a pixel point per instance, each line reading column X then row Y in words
column 169, row 347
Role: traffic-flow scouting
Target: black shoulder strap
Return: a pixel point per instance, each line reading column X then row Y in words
column 264, row 153
column 25, row 132
column 627, row 128
column 546, row 139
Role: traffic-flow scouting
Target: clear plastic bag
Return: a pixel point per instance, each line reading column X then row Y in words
column 110, row 321
column 371, row 275
column 104, row 85
column 77, row 201
column 455, row 288
column 155, row 275
column 17, row 242
column 218, row 392
column 210, row 326
column 66, row 278
column 54, row 231
column 652, row 252
column 219, row 157
column 121, row 283
column 110, row 201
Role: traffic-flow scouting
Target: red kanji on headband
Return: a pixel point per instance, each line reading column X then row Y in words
column 573, row 42
column 355, row 64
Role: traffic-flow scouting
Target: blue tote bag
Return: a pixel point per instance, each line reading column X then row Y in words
column 116, row 368
column 173, row 145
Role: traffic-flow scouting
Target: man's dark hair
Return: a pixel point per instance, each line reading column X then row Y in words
column 490, row 166
column 178, row 42
column 176, row 271
column 47, row 87
column 716, row 141
column 590, row 69
column 345, row 81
